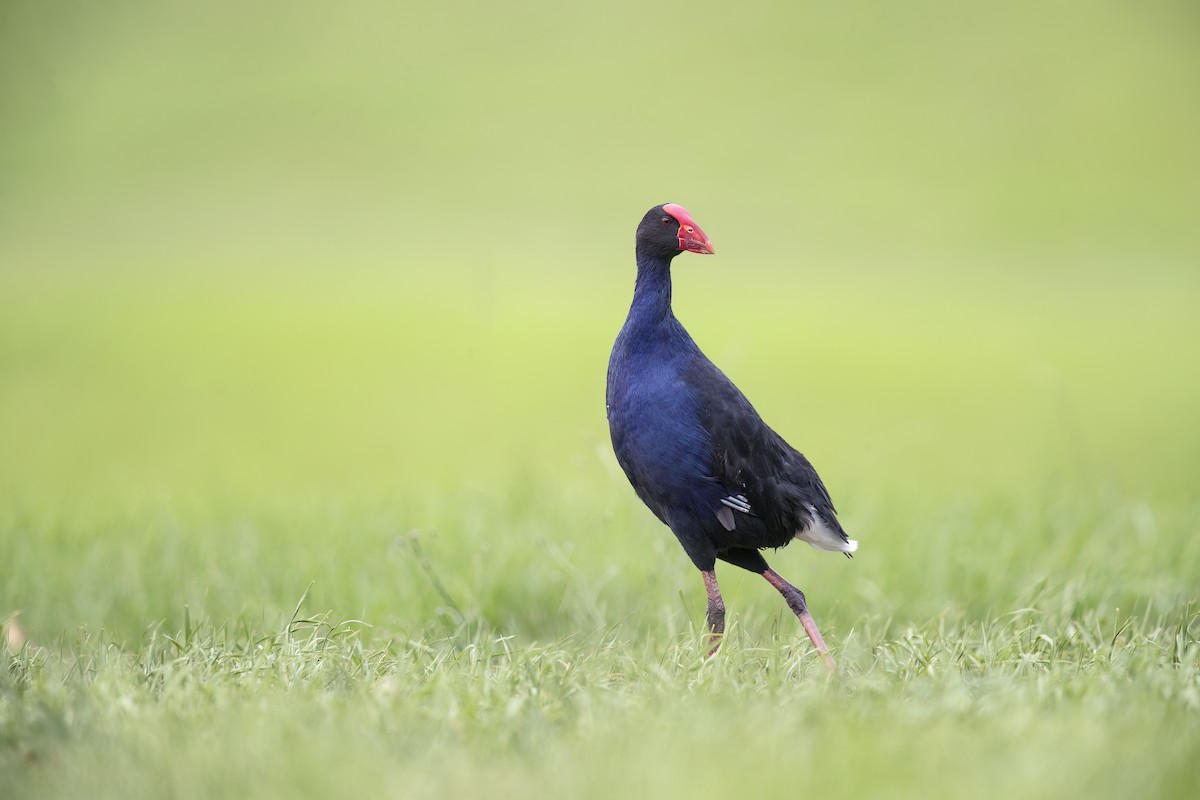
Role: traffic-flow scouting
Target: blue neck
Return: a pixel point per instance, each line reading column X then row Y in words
column 652, row 291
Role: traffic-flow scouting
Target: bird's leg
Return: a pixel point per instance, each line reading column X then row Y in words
column 795, row 601
column 716, row 611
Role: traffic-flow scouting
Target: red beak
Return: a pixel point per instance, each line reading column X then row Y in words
column 691, row 238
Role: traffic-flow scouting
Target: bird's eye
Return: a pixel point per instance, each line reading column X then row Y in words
column 666, row 220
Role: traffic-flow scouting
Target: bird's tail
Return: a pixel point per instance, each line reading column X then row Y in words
column 825, row 533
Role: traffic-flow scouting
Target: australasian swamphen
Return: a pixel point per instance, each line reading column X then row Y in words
column 695, row 450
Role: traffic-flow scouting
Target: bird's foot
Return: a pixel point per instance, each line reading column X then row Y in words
column 796, row 602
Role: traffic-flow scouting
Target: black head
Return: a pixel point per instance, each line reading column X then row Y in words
column 668, row 230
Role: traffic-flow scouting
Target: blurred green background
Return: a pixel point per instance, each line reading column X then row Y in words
column 278, row 255
column 305, row 311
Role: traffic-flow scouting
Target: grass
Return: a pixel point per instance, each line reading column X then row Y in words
column 511, row 651
column 1036, row 702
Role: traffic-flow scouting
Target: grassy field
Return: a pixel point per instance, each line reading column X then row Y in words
column 305, row 484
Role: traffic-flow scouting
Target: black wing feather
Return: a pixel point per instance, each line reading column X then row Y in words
column 751, row 459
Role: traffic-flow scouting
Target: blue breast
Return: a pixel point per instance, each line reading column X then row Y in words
column 655, row 423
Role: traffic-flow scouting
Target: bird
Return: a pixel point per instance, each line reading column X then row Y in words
column 696, row 451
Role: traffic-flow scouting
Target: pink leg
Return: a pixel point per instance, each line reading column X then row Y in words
column 716, row 611
column 795, row 601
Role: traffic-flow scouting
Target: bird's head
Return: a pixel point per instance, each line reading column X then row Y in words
column 669, row 230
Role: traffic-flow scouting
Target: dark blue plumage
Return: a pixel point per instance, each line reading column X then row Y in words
column 695, row 450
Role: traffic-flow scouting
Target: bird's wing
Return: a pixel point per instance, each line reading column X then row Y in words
column 760, row 473
column 729, row 504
